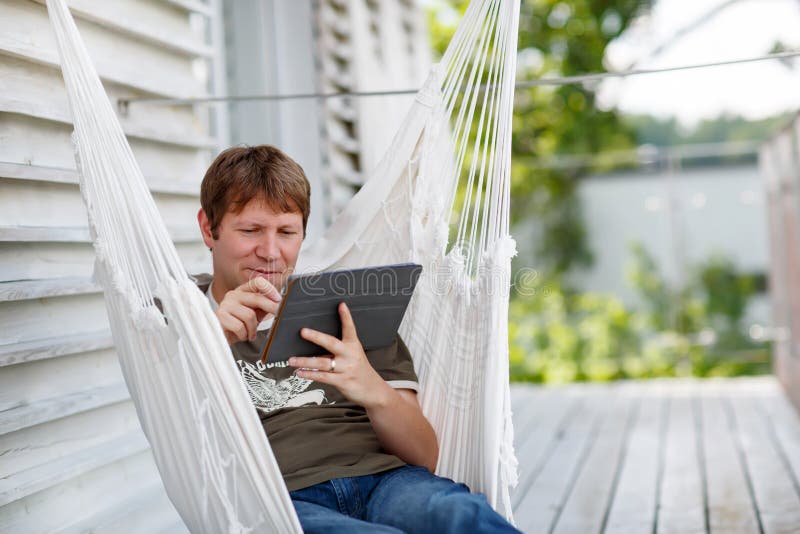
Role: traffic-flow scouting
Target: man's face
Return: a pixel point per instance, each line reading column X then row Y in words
column 256, row 242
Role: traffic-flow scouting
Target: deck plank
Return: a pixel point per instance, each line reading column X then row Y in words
column 730, row 505
column 525, row 401
column 538, row 435
column 775, row 494
column 587, row 503
column 664, row 455
column 681, row 508
column 519, row 394
column 784, row 423
column 634, row 503
column 540, row 506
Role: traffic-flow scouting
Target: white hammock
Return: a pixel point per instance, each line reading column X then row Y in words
column 212, row 453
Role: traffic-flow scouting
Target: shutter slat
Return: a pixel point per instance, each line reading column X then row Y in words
column 43, row 476
column 60, row 175
column 43, row 349
column 46, row 410
column 79, row 234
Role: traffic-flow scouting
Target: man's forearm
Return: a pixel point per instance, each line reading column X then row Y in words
column 403, row 430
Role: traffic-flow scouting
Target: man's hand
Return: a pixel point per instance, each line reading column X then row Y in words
column 395, row 414
column 346, row 367
column 243, row 308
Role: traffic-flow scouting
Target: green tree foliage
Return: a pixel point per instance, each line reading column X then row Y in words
column 556, row 38
column 727, row 128
column 555, row 333
column 695, row 329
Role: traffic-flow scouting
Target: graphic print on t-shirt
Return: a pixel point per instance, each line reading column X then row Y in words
column 268, row 394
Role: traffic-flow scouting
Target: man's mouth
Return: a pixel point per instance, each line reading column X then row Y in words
column 264, row 271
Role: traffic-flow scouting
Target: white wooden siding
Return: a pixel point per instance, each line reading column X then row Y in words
column 269, row 46
column 72, row 454
column 365, row 45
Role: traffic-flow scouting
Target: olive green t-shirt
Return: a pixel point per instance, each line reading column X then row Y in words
column 316, row 434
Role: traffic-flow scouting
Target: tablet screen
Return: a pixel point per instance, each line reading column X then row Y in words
column 376, row 296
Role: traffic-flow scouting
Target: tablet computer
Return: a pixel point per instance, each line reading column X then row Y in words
column 376, row 296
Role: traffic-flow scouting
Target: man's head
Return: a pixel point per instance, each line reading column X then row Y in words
column 255, row 203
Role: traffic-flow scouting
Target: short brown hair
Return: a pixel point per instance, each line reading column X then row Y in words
column 242, row 173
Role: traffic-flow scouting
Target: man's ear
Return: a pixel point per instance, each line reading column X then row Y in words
column 205, row 228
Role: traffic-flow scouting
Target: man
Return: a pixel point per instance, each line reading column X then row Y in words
column 354, row 448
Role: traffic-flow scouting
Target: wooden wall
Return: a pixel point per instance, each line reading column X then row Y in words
column 72, row 455
column 365, row 45
column 780, row 163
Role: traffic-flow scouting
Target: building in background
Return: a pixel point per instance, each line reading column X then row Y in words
column 72, row 455
column 682, row 215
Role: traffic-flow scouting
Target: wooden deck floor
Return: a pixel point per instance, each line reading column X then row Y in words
column 657, row 456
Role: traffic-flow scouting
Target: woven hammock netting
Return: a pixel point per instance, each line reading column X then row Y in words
column 439, row 197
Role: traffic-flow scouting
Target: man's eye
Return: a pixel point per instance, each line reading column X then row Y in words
column 288, row 232
column 248, row 230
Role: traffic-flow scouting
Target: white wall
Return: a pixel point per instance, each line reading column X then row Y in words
column 277, row 47
column 72, row 455
column 362, row 46
column 270, row 50
column 717, row 208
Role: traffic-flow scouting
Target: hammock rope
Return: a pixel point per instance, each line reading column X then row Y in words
column 208, row 444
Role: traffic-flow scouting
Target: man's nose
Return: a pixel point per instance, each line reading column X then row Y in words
column 267, row 247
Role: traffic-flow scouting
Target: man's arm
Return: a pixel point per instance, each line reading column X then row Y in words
column 395, row 414
column 403, row 430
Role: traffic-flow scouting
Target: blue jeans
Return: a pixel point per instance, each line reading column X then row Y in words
column 405, row 499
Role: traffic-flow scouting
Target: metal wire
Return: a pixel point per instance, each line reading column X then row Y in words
column 124, row 103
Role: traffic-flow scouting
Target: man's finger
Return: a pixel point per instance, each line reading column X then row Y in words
column 265, row 287
column 261, row 286
column 326, row 341
column 323, row 377
column 247, row 316
column 348, row 325
column 322, row 363
column 233, row 326
column 257, row 301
